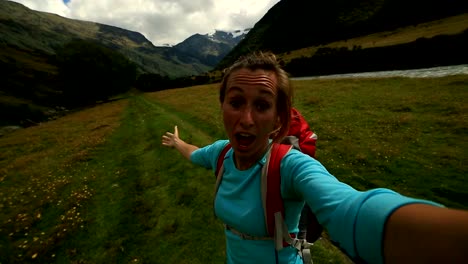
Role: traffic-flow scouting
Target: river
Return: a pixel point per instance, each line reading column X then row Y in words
column 416, row 73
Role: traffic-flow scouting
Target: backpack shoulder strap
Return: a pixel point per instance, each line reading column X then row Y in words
column 219, row 170
column 221, row 157
column 220, row 166
column 273, row 204
column 271, row 185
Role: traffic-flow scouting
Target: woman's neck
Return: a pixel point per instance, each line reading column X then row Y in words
column 247, row 162
column 240, row 165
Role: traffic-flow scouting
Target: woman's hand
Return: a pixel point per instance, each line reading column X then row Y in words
column 170, row 139
column 420, row 233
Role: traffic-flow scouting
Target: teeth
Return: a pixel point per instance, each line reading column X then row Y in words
column 244, row 135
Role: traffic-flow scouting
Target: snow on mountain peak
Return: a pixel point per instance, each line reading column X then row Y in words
column 218, row 35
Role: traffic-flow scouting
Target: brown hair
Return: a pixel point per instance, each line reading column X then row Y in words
column 266, row 61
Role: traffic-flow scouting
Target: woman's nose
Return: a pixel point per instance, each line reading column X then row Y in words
column 247, row 117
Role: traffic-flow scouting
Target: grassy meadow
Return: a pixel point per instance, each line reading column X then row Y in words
column 96, row 186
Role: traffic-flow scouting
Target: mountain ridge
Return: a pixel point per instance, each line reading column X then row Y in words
column 35, row 30
column 291, row 24
column 210, row 49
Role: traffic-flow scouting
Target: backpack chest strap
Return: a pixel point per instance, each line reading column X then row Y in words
column 291, row 241
column 244, row 235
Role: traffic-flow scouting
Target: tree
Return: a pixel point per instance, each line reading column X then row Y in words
column 150, row 82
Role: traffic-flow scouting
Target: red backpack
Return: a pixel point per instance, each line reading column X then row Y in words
column 301, row 137
column 300, row 129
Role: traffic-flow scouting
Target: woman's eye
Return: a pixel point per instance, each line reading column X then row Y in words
column 263, row 106
column 235, row 103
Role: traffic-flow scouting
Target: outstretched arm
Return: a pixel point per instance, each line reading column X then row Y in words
column 420, row 233
column 172, row 140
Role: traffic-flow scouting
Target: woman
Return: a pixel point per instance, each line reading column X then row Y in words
column 374, row 226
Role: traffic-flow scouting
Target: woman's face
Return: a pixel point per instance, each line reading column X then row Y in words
column 249, row 112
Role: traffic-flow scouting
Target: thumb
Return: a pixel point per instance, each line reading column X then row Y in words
column 176, row 132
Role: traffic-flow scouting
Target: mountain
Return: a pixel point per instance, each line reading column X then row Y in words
column 41, row 32
column 209, row 49
column 35, row 48
column 296, row 24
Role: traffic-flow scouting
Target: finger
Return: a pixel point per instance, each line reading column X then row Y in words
column 176, row 131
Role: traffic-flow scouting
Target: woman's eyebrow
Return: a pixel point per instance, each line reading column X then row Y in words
column 234, row 88
column 267, row 90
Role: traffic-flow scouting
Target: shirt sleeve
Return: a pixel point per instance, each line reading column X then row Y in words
column 355, row 220
column 207, row 156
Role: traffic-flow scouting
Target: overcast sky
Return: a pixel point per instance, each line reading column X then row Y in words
column 161, row 21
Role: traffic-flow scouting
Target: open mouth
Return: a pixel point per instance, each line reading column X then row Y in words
column 244, row 139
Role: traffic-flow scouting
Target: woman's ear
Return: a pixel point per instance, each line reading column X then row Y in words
column 278, row 124
column 276, row 129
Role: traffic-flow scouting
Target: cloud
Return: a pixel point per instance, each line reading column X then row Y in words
column 51, row 6
column 161, row 21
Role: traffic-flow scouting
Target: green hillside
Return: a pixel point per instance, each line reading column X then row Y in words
column 292, row 25
column 31, row 30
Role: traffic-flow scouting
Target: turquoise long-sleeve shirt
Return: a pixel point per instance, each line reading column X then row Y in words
column 355, row 220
